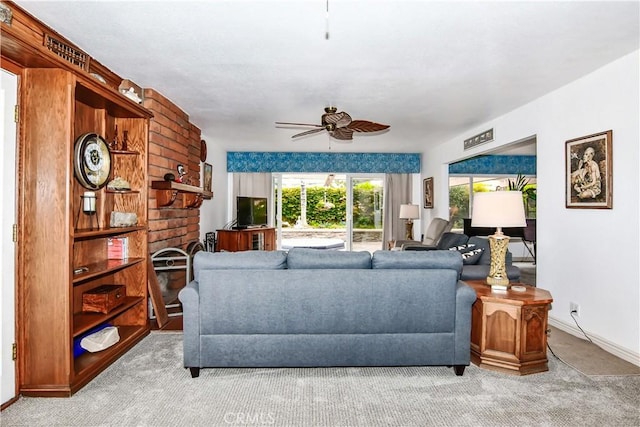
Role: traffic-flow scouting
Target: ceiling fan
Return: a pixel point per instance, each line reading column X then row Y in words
column 339, row 125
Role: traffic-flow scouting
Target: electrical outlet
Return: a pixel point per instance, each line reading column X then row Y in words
column 574, row 307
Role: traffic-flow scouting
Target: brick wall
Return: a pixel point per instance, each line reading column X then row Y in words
column 173, row 140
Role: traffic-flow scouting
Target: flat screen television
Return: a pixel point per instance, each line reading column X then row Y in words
column 251, row 212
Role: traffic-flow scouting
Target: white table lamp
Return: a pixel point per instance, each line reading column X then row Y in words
column 498, row 209
column 409, row 212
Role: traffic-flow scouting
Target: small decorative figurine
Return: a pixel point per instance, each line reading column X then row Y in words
column 181, row 172
column 125, row 140
column 113, row 145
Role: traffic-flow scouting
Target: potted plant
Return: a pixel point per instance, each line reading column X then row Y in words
column 521, row 183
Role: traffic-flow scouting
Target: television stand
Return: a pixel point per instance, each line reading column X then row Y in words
column 247, row 239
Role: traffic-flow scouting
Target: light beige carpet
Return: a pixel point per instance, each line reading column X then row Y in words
column 587, row 357
column 148, row 387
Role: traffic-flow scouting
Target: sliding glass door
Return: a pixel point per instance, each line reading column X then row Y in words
column 367, row 195
column 329, row 211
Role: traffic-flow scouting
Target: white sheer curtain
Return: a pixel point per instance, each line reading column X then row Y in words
column 255, row 184
column 398, row 189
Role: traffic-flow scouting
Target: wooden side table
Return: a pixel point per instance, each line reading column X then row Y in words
column 509, row 329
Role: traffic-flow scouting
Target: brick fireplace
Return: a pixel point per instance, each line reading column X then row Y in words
column 173, row 140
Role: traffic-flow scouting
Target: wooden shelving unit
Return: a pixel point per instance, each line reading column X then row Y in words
column 59, row 100
column 58, row 105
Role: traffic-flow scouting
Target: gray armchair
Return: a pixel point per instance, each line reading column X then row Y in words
column 432, row 236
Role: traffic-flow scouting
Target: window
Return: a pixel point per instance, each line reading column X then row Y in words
column 461, row 189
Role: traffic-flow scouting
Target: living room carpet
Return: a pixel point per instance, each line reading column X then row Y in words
column 149, row 387
column 587, row 357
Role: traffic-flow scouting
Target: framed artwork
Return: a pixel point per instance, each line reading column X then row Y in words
column 427, row 190
column 589, row 171
column 208, row 176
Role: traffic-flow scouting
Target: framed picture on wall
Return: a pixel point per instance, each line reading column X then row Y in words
column 427, row 190
column 208, row 176
column 589, row 171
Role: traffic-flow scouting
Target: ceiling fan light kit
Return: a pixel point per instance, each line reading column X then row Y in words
column 339, row 125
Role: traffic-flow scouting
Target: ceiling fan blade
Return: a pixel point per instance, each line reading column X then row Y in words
column 366, row 126
column 309, row 132
column 343, row 134
column 299, row 124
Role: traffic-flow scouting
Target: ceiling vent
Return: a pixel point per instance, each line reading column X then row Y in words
column 67, row 52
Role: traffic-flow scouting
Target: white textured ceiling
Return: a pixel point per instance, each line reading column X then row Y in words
column 429, row 69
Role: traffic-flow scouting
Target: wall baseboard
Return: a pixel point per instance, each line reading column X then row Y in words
column 604, row 344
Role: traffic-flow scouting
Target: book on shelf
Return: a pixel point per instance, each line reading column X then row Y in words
column 118, row 248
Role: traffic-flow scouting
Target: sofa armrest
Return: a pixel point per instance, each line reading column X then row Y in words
column 465, row 297
column 190, row 298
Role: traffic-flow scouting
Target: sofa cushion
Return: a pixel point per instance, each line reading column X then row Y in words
column 417, row 260
column 246, row 260
column 481, row 271
column 305, row 258
column 470, row 253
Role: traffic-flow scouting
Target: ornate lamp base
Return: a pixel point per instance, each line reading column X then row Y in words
column 498, row 270
column 409, row 230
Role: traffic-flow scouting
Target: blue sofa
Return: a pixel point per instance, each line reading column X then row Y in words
column 311, row 308
column 475, row 267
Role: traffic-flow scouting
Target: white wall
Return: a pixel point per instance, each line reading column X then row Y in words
column 590, row 256
column 213, row 212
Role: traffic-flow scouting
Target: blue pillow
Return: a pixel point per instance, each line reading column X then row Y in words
column 470, row 253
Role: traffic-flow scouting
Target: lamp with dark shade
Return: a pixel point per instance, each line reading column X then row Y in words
column 498, row 209
column 409, row 212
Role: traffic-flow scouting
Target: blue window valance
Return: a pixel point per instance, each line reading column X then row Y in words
column 495, row 165
column 254, row 161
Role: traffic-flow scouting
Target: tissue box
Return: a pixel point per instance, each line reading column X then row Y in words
column 104, row 298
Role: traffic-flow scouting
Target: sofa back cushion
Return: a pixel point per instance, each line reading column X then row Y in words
column 402, row 260
column 305, row 258
column 449, row 240
column 247, row 260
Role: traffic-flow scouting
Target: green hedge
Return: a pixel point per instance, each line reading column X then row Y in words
column 366, row 198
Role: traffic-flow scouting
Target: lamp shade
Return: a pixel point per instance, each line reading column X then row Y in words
column 498, row 209
column 409, row 211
